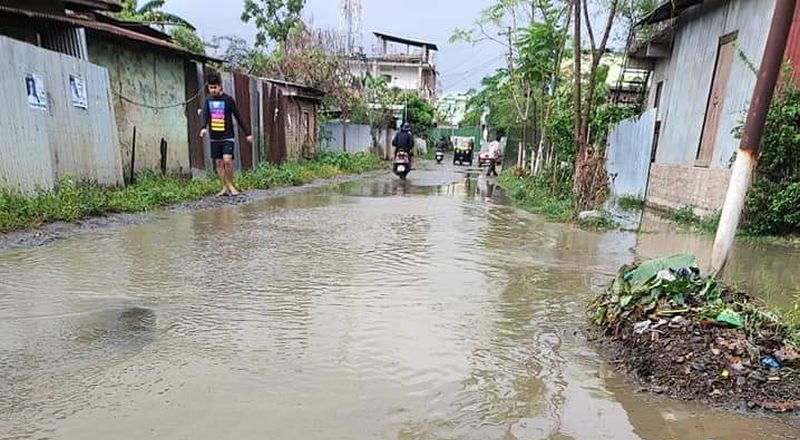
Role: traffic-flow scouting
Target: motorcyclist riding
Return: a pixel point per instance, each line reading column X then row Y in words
column 404, row 141
column 442, row 144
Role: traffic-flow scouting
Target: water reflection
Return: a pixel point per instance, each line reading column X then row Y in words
column 383, row 309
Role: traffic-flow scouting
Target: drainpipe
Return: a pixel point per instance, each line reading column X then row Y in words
column 747, row 156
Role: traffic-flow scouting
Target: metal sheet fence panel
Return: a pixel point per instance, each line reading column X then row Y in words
column 358, row 137
column 628, row 155
column 57, row 137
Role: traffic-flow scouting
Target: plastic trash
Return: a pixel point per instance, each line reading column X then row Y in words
column 641, row 327
column 666, row 275
column 770, row 362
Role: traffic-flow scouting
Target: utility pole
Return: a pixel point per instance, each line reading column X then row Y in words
column 747, row 156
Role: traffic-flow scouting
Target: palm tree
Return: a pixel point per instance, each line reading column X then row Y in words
column 151, row 13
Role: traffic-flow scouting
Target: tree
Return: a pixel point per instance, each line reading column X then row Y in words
column 274, row 19
column 188, row 39
column 239, row 56
column 151, row 13
column 528, row 30
column 590, row 178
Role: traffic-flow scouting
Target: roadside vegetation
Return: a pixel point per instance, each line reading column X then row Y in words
column 72, row 201
column 630, row 203
column 535, row 196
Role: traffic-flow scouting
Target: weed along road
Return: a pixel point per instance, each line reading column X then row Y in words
column 424, row 309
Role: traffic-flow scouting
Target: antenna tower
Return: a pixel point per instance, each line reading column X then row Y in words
column 350, row 23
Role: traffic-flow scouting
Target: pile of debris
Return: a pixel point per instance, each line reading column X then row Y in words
column 688, row 336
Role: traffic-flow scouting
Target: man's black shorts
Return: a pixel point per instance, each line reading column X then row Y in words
column 220, row 148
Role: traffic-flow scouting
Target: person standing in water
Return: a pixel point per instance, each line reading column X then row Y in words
column 218, row 114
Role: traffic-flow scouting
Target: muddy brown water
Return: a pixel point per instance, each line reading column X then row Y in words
column 429, row 309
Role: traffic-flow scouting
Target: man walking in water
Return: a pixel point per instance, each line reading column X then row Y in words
column 218, row 116
column 494, row 156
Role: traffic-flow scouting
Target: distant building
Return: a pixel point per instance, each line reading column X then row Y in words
column 452, row 108
column 406, row 64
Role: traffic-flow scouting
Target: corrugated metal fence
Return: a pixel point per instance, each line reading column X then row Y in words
column 628, row 155
column 56, row 119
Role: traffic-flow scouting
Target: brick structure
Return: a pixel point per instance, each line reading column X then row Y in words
column 673, row 187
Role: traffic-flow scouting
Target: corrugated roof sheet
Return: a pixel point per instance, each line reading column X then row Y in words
column 109, row 29
column 668, row 9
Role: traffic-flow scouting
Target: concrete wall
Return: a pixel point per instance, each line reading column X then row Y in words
column 152, row 81
column 688, row 74
column 675, row 186
column 39, row 145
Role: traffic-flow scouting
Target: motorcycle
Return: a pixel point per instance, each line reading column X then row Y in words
column 402, row 164
column 439, row 156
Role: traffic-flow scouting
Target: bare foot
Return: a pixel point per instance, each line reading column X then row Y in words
column 234, row 192
column 222, row 193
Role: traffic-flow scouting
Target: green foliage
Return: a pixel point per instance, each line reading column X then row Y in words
column 631, row 203
column 72, row 201
column 421, row 115
column 537, row 195
column 686, row 217
column 151, row 12
column 188, row 39
column 695, row 297
column 773, row 202
column 274, row 19
column 240, row 57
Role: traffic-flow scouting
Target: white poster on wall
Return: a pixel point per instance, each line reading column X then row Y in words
column 37, row 96
column 77, row 87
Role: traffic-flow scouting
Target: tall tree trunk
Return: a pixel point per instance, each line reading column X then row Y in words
column 576, row 90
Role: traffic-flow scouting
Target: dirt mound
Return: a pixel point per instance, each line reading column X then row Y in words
column 692, row 338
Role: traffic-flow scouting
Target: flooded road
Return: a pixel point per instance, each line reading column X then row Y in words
column 378, row 309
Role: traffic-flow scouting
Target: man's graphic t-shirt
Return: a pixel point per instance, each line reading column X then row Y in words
column 218, row 116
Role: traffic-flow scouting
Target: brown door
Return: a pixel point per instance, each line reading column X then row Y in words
column 716, row 99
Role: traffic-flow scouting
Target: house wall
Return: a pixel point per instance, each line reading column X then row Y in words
column 40, row 145
column 688, row 75
column 151, row 80
column 405, row 77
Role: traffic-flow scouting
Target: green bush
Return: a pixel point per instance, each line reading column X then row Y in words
column 773, row 203
column 71, row 201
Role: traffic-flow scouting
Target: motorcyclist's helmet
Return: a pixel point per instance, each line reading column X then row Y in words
column 406, row 127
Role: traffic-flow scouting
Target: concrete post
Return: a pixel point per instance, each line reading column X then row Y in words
column 747, row 156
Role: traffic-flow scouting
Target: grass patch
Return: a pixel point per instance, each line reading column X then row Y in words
column 71, row 200
column 686, row 218
column 537, row 196
column 604, row 223
column 630, row 203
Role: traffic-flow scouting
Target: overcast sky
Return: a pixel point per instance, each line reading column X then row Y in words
column 461, row 66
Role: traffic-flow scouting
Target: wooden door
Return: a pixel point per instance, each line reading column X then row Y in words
column 716, row 100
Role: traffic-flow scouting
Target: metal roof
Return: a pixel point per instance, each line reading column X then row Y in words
column 301, row 90
column 668, row 9
column 408, row 41
column 108, row 28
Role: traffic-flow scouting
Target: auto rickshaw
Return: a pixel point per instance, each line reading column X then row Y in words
column 463, row 148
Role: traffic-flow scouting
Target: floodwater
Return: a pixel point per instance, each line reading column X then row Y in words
column 421, row 310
